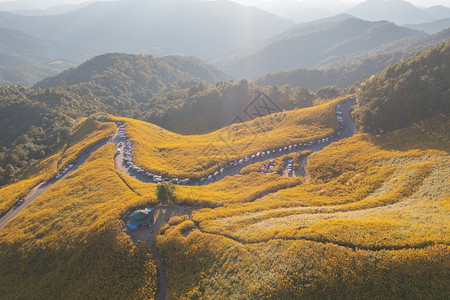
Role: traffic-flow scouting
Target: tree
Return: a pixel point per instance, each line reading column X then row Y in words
column 10, row 171
column 165, row 192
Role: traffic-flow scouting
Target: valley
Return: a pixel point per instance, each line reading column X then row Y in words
column 226, row 149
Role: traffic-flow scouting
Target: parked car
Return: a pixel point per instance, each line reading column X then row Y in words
column 20, row 202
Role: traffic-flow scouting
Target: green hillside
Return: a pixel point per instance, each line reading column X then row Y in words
column 411, row 90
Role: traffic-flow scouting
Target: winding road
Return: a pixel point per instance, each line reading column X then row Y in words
column 348, row 130
column 163, row 213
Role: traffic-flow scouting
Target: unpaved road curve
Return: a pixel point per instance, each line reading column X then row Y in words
column 161, row 213
column 42, row 187
column 348, row 131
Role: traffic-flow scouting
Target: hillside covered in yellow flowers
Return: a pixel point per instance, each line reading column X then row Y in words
column 369, row 221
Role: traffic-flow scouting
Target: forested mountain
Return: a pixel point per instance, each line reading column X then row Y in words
column 182, row 94
column 397, row 11
column 310, row 46
column 351, row 72
column 207, row 29
column 411, row 90
column 142, row 71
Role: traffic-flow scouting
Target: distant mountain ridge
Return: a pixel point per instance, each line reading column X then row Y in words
column 431, row 27
column 207, row 29
column 18, row 48
column 398, row 11
column 309, row 46
column 358, row 68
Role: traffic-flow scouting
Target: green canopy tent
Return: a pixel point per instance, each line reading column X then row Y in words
column 140, row 217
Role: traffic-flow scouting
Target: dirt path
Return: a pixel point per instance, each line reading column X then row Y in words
column 161, row 214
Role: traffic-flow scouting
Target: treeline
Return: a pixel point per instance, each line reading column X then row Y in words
column 411, row 90
column 181, row 94
column 30, row 131
column 172, row 92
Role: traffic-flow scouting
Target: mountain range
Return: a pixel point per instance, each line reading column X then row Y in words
column 189, row 27
column 354, row 69
column 397, row 11
column 244, row 41
column 311, row 46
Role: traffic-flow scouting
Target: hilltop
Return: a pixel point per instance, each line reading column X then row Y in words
column 136, row 71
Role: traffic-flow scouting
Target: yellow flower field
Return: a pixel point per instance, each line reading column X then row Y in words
column 162, row 152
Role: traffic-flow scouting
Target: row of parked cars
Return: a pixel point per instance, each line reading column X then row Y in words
column 128, row 161
column 64, row 172
column 339, row 115
column 245, row 160
column 290, row 148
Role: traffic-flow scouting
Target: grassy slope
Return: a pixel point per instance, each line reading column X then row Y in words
column 381, row 195
column 85, row 135
column 164, row 152
column 262, row 236
column 68, row 243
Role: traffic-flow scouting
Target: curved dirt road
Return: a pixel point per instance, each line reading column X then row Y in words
column 349, row 129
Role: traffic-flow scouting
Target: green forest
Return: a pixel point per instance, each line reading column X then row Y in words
column 411, row 90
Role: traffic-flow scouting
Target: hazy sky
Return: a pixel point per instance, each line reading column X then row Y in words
column 49, row 3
